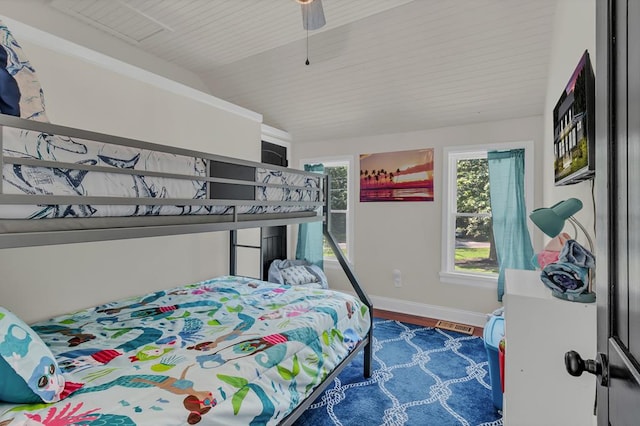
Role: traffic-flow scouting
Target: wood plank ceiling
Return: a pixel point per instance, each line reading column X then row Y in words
column 377, row 67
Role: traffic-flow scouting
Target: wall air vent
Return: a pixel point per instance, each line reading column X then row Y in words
column 453, row 326
column 118, row 18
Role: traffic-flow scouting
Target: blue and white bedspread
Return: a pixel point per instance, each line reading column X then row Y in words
column 227, row 351
column 185, row 178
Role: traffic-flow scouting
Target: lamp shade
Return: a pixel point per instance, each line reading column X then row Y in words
column 550, row 220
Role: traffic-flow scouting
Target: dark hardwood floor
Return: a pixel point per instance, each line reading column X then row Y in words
column 414, row 319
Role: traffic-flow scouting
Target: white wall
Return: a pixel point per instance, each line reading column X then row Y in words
column 574, row 32
column 407, row 235
column 39, row 282
column 413, row 243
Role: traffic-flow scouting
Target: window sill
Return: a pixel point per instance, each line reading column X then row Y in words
column 471, row 280
column 334, row 264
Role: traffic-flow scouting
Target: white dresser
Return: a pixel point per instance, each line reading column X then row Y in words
column 539, row 330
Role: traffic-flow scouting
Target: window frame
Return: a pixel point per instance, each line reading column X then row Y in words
column 451, row 155
column 333, row 161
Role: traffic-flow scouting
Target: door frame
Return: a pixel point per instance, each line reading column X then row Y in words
column 273, row 136
column 604, row 133
column 605, row 174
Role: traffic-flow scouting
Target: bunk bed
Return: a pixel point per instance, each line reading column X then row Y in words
column 228, row 350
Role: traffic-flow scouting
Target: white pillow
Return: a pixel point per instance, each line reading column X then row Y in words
column 296, row 275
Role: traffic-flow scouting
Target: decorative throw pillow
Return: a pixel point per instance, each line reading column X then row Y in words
column 20, row 91
column 28, row 371
column 296, row 275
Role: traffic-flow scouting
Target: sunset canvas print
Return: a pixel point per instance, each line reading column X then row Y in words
column 397, row 176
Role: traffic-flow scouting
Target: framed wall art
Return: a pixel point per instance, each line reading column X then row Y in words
column 397, row 176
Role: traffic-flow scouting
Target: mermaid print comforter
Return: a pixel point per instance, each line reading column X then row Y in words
column 226, row 351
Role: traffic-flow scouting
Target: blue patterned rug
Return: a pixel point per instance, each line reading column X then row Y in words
column 422, row 376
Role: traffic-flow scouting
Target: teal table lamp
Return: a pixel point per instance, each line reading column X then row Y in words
column 551, row 221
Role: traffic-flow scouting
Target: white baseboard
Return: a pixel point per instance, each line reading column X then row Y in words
column 432, row 311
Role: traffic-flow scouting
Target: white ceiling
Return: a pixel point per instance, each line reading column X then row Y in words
column 377, row 67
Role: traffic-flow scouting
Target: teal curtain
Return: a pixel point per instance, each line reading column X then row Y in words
column 310, row 238
column 508, row 210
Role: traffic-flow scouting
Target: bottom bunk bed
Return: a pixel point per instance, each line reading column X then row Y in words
column 221, row 352
column 226, row 351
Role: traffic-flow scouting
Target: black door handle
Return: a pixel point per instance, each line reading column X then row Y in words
column 576, row 366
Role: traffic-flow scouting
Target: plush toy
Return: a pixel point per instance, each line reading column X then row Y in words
column 568, row 277
column 551, row 252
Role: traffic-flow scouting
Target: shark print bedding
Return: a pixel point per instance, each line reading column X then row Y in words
column 226, row 351
column 127, row 173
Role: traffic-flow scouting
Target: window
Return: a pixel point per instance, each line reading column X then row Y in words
column 474, row 249
column 339, row 170
column 469, row 255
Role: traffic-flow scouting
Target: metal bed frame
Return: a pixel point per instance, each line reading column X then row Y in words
column 220, row 174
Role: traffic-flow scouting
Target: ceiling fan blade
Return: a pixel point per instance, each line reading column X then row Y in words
column 312, row 15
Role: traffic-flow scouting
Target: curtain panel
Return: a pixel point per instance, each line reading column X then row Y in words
column 310, row 238
column 508, row 209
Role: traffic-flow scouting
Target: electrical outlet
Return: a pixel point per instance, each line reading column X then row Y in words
column 397, row 278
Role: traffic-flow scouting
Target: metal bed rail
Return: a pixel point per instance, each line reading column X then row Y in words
column 366, row 344
column 235, row 184
column 349, row 272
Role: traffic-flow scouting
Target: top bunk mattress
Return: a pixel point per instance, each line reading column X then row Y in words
column 52, row 173
column 227, row 351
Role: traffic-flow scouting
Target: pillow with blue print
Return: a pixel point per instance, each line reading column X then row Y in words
column 297, row 275
column 28, row 369
column 20, row 91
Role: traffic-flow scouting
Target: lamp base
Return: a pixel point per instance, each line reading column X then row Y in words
column 586, row 297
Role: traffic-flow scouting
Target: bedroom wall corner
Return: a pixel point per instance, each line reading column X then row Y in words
column 407, row 235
